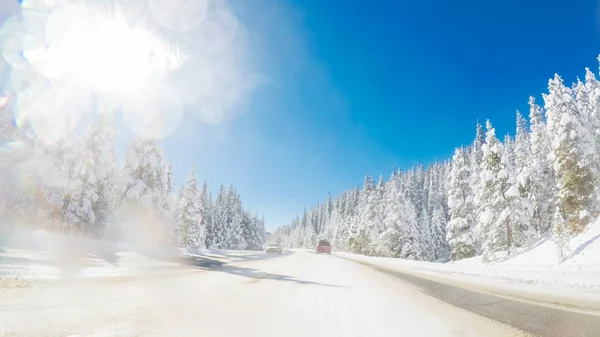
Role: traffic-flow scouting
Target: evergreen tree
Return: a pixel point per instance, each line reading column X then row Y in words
column 399, row 215
column 144, row 172
column 168, row 200
column 476, row 159
column 219, row 233
column 80, row 203
column 572, row 146
column 206, row 214
column 437, row 221
column 516, row 213
column 190, row 234
column 542, row 181
column 143, row 191
column 91, row 207
column 460, row 233
column 61, row 182
column 235, row 229
column 494, row 223
column 521, row 177
column 366, row 215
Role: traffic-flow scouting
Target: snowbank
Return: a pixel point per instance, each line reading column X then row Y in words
column 533, row 274
column 36, row 254
column 30, row 253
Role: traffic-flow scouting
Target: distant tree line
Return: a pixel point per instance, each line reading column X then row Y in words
column 493, row 198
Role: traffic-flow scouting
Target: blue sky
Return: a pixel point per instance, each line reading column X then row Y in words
column 357, row 86
column 353, row 87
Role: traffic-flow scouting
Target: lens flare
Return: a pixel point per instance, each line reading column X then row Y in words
column 218, row 31
column 146, row 58
column 11, row 42
column 103, row 53
column 156, row 114
column 179, row 15
column 53, row 112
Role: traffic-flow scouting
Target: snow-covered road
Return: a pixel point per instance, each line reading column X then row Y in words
column 295, row 294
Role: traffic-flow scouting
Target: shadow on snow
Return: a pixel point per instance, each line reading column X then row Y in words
column 210, row 264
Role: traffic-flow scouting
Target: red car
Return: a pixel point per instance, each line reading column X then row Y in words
column 324, row 247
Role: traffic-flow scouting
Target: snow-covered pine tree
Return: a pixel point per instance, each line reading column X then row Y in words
column 168, row 201
column 309, row 237
column 522, row 161
column 592, row 110
column 80, row 202
column 334, row 220
column 493, row 222
column 509, row 149
column 143, row 188
column 475, row 160
column 438, row 225
column 437, row 220
column 461, row 227
column 573, row 146
column 219, row 228
column 445, row 178
column 517, row 208
column 91, row 207
column 60, row 182
column 586, row 101
column 108, row 191
column 400, row 214
column 329, row 205
column 324, row 214
column 248, row 230
column 541, row 193
column 206, row 213
column 314, row 219
column 189, row 233
column 256, row 236
column 261, row 233
column 345, row 232
column 236, row 238
column 7, row 182
column 327, row 230
column 412, row 247
column 365, row 217
column 377, row 224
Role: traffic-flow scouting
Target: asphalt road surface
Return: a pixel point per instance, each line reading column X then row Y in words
column 294, row 294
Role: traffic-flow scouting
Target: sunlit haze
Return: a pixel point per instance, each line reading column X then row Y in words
column 287, row 168
column 288, row 101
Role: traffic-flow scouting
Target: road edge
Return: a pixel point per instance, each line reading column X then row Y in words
column 581, row 303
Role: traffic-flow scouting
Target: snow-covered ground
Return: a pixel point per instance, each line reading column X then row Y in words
column 46, row 264
column 293, row 294
column 42, row 255
column 533, row 274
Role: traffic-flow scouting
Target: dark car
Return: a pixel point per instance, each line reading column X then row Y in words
column 324, row 247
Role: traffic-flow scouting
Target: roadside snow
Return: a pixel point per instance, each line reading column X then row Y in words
column 36, row 254
column 533, row 274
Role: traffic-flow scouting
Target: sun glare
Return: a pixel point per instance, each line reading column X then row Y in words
column 101, row 53
column 150, row 60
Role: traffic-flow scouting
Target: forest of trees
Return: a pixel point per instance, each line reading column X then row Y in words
column 493, row 198
column 72, row 185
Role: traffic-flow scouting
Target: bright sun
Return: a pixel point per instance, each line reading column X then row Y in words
column 146, row 59
column 100, row 52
